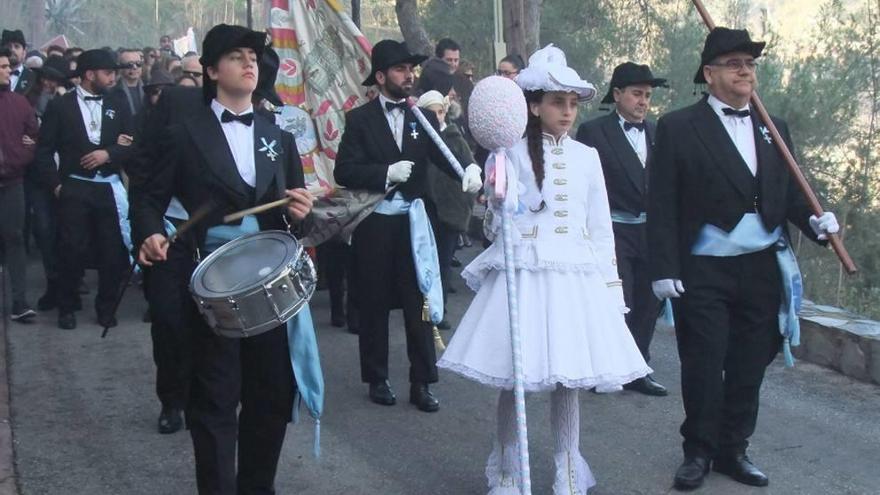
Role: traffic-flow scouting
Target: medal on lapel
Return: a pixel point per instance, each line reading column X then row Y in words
column 110, row 113
column 766, row 134
column 269, row 149
column 414, row 133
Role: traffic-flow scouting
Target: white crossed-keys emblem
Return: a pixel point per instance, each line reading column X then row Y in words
column 269, row 149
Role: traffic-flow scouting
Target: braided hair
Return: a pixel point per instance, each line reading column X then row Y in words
column 535, row 141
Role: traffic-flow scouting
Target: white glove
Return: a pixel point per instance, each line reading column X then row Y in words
column 667, row 288
column 824, row 225
column 616, row 289
column 471, row 181
column 399, row 171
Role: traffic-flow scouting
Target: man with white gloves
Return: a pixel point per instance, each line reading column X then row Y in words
column 720, row 199
column 384, row 146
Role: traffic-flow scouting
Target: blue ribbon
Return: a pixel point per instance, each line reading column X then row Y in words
column 120, row 198
column 750, row 236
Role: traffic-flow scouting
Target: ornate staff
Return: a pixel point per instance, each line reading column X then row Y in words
column 497, row 116
column 793, row 167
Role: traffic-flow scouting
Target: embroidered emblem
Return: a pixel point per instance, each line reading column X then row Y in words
column 110, row 113
column 414, row 133
column 269, row 149
column 766, row 134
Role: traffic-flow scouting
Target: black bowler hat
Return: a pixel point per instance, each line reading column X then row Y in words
column 15, row 36
column 97, row 59
column 269, row 64
column 630, row 74
column 387, row 54
column 222, row 39
column 722, row 40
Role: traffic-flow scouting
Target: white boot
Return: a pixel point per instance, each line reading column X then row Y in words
column 502, row 469
column 573, row 475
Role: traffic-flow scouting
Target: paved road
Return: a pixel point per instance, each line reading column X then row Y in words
column 84, row 412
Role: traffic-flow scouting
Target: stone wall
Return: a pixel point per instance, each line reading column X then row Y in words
column 840, row 340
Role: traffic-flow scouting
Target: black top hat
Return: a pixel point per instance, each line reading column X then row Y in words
column 222, row 39
column 387, row 54
column 15, row 36
column 97, row 59
column 55, row 68
column 629, row 74
column 436, row 76
column 269, row 64
column 722, row 40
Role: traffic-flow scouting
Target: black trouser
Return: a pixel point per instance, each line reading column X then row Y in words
column 42, row 206
column 446, row 239
column 630, row 245
column 166, row 289
column 12, row 238
column 727, row 329
column 88, row 229
column 336, row 259
column 255, row 372
column 386, row 279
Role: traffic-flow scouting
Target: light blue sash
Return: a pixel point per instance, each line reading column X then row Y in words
column 620, row 216
column 120, row 197
column 750, row 236
column 424, row 250
column 301, row 340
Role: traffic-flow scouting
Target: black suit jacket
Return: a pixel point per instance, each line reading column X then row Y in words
column 63, row 131
column 368, row 148
column 626, row 180
column 698, row 177
column 27, row 79
column 121, row 93
column 197, row 167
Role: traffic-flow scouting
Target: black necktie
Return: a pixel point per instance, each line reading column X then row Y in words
column 93, row 98
column 389, row 106
column 736, row 113
column 246, row 119
column 16, row 72
column 630, row 125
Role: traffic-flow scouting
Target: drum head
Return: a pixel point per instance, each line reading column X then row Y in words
column 245, row 263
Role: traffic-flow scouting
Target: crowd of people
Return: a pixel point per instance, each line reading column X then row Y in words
column 106, row 152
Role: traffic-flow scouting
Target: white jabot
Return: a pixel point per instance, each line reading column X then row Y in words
column 395, row 119
column 92, row 112
column 741, row 132
column 240, row 139
column 637, row 139
column 13, row 78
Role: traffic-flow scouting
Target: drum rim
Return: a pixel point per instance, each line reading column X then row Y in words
column 195, row 282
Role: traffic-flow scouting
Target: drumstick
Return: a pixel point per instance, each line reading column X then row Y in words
column 196, row 217
column 256, row 209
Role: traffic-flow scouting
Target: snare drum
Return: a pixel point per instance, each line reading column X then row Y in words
column 254, row 283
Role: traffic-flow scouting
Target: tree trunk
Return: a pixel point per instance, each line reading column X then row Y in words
column 356, row 12
column 514, row 30
column 411, row 26
column 532, row 27
column 37, row 23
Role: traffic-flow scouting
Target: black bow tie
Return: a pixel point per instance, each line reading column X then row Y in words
column 637, row 125
column 16, row 72
column 389, row 106
column 246, row 119
column 93, row 98
column 736, row 113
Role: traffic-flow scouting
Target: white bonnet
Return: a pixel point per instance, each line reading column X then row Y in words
column 549, row 71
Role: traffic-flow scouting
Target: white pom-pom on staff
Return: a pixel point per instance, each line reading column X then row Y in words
column 497, row 116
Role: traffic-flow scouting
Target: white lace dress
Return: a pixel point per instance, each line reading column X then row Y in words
column 571, row 309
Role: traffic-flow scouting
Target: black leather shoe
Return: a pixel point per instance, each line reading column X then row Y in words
column 691, row 473
column 421, row 396
column 741, row 469
column 381, row 393
column 107, row 321
column 67, row 321
column 646, row 385
column 170, row 420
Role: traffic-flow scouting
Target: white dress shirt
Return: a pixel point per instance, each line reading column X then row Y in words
column 240, row 139
column 740, row 130
column 92, row 112
column 13, row 79
column 395, row 119
column 637, row 140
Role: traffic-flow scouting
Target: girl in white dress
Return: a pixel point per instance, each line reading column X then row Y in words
column 571, row 308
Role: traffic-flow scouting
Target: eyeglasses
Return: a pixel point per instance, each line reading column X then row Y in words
column 191, row 73
column 506, row 73
column 132, row 65
column 737, row 64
